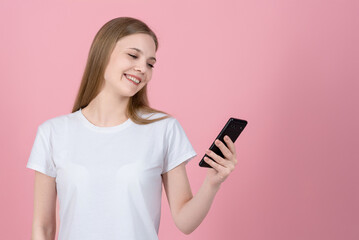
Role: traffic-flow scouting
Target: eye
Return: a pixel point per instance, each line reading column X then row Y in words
column 151, row 66
column 133, row 56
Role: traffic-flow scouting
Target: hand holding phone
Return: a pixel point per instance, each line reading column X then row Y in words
column 232, row 129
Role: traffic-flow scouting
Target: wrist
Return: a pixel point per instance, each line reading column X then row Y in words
column 212, row 186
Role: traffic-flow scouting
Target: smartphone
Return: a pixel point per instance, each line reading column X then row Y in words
column 232, row 129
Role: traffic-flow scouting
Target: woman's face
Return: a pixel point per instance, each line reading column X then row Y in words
column 126, row 60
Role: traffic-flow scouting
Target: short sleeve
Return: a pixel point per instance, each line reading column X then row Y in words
column 178, row 147
column 40, row 157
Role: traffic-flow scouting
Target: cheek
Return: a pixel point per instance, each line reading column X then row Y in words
column 109, row 71
column 106, row 74
column 149, row 76
column 124, row 63
column 114, row 71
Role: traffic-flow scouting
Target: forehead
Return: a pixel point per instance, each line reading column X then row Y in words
column 141, row 41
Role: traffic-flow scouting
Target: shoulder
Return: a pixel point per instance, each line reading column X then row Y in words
column 163, row 125
column 156, row 115
column 150, row 115
column 57, row 122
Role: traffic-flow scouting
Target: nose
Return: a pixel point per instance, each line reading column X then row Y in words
column 141, row 67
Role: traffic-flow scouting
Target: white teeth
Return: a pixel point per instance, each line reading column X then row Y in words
column 132, row 78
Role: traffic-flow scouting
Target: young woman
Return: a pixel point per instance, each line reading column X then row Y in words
column 107, row 159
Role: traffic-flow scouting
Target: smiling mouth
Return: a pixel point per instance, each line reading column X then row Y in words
column 133, row 80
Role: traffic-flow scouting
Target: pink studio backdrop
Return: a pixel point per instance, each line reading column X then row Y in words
column 288, row 67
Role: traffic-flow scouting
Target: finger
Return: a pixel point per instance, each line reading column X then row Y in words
column 226, row 152
column 230, row 144
column 213, row 164
column 217, row 158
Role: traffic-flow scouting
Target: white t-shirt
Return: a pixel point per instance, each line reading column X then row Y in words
column 108, row 179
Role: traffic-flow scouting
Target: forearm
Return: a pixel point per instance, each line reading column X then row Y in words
column 43, row 234
column 195, row 210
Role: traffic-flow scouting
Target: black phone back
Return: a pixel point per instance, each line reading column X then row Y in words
column 232, row 129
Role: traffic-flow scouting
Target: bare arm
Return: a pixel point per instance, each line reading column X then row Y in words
column 187, row 211
column 195, row 210
column 192, row 213
column 44, row 218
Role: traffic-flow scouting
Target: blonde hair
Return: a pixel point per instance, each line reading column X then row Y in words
column 98, row 58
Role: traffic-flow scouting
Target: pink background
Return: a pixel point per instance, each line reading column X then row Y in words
column 290, row 68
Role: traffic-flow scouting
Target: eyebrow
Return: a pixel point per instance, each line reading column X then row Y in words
column 139, row 50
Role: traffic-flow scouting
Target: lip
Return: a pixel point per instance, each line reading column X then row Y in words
column 139, row 79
